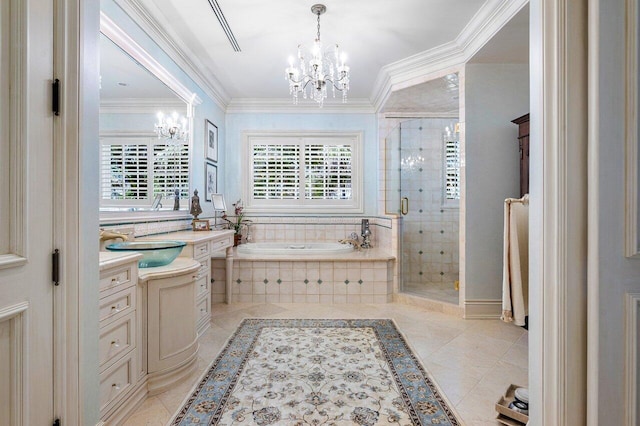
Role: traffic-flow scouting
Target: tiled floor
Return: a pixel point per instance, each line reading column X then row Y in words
column 473, row 361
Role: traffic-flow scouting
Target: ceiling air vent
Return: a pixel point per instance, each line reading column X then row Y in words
column 225, row 25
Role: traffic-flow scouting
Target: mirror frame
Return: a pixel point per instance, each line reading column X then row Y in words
column 125, row 42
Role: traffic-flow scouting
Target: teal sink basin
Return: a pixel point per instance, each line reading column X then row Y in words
column 154, row 253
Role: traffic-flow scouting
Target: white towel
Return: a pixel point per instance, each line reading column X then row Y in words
column 515, row 277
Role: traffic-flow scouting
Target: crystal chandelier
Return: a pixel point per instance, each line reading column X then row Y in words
column 171, row 126
column 314, row 70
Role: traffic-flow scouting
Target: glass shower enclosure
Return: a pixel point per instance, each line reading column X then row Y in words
column 423, row 187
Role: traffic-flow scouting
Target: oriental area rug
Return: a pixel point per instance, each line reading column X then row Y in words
column 316, row 372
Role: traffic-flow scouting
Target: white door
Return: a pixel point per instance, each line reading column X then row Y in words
column 26, row 199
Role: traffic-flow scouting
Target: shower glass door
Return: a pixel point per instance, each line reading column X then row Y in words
column 421, row 173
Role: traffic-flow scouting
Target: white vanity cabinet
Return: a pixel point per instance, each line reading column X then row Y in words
column 169, row 295
column 119, row 344
column 201, row 245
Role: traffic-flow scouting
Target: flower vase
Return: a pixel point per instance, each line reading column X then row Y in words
column 237, row 239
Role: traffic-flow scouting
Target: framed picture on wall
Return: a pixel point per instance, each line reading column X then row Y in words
column 211, row 140
column 211, row 180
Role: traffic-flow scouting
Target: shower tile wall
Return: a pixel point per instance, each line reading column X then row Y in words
column 430, row 242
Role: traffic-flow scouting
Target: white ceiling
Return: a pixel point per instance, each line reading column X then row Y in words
column 372, row 33
column 383, row 39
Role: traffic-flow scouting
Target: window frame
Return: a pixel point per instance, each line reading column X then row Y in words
column 302, row 205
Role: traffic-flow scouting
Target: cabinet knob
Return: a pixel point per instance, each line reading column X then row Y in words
column 116, row 308
column 115, row 280
column 116, row 386
column 116, row 343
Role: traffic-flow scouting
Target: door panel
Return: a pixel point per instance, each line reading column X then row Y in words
column 26, row 152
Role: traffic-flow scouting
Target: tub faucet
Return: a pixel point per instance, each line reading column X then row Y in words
column 110, row 235
column 353, row 240
column 366, row 234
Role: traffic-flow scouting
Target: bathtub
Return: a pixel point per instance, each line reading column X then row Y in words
column 301, row 249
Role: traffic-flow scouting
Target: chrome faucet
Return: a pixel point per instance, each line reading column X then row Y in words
column 366, row 234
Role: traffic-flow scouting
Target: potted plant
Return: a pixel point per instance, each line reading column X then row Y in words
column 236, row 222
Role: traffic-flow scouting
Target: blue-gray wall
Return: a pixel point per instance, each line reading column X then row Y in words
column 495, row 94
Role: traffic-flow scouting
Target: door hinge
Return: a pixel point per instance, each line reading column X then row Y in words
column 56, row 422
column 55, row 97
column 55, row 267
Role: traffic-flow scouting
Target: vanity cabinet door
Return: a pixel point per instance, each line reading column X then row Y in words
column 171, row 321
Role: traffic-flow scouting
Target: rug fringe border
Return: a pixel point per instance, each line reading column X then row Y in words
column 430, row 375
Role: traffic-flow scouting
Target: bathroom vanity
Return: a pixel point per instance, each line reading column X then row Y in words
column 151, row 318
column 201, row 245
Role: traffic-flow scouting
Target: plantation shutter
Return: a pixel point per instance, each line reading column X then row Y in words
column 327, row 172
column 171, row 169
column 135, row 169
column 300, row 173
column 276, row 171
column 124, row 173
column 452, row 170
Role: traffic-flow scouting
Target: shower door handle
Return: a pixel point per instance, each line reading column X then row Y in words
column 404, row 205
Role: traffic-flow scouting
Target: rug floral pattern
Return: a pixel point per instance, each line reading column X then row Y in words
column 315, row 372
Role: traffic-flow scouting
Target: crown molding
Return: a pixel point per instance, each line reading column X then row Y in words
column 139, row 106
column 285, row 105
column 416, row 69
column 180, row 54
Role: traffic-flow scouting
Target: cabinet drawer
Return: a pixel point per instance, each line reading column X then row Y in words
column 203, row 310
column 221, row 244
column 205, row 267
column 202, row 285
column 117, row 380
column 117, row 305
column 201, row 249
column 116, row 339
column 113, row 279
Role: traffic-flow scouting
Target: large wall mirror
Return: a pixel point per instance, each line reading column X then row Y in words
column 146, row 131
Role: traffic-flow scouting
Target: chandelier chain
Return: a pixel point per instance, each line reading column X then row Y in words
column 318, row 38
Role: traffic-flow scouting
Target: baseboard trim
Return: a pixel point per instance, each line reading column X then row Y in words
column 482, row 309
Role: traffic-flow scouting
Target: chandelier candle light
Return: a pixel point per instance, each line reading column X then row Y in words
column 171, row 126
column 321, row 68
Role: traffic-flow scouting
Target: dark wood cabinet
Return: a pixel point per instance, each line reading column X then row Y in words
column 523, row 141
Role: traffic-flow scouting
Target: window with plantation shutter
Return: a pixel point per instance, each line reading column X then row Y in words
column 303, row 172
column 451, row 171
column 134, row 169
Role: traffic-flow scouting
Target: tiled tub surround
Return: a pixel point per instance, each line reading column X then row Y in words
column 354, row 278
column 358, row 277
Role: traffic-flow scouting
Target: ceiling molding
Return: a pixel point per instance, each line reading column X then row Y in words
column 489, row 19
column 285, row 105
column 140, row 106
column 180, row 54
column 494, row 15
